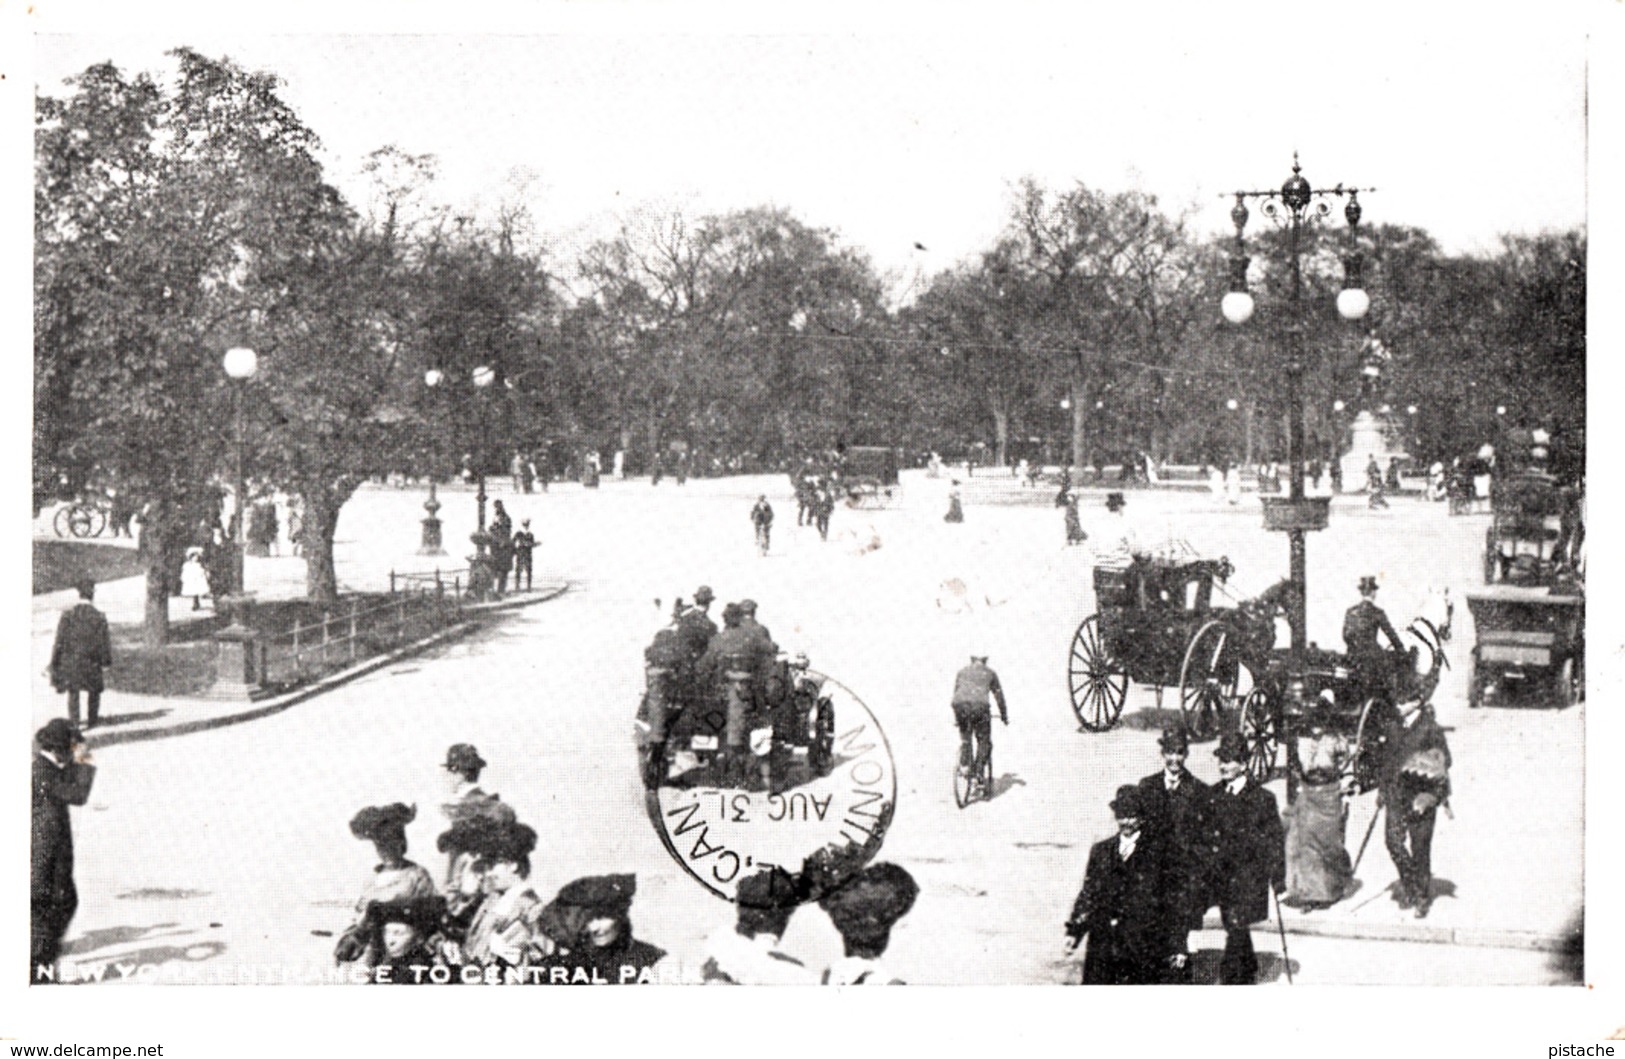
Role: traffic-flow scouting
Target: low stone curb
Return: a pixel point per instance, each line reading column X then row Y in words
column 254, row 710
column 1476, row 937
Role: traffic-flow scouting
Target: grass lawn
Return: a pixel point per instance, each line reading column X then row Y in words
column 57, row 564
column 186, row 665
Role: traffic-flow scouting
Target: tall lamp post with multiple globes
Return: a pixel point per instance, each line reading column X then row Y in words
column 1295, row 206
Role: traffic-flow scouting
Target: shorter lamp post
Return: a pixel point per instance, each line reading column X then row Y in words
column 482, row 377
column 235, row 671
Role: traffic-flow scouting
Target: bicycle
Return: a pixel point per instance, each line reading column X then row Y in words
column 968, row 788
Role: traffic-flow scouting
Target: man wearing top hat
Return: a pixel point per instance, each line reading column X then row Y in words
column 1130, row 904
column 62, row 777
column 1373, row 665
column 83, row 648
column 1178, row 809
column 1251, row 858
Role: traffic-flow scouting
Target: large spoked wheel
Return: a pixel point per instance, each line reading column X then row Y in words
column 1259, row 728
column 1209, row 679
column 1098, row 681
column 86, row 521
column 1368, row 735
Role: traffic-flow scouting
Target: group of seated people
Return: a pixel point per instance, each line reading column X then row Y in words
column 486, row 924
column 690, row 661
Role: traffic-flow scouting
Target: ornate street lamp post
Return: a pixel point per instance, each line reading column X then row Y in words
column 240, row 363
column 482, row 377
column 236, row 675
column 1294, row 206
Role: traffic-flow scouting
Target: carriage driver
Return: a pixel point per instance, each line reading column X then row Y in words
column 1374, row 667
column 734, row 659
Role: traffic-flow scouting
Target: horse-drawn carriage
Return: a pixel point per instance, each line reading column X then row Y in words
column 789, row 715
column 1156, row 624
column 869, row 475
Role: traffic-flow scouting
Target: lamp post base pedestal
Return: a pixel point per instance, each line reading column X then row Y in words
column 237, row 675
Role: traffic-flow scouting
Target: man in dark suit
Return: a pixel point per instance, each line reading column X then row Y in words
column 1251, row 858
column 62, row 777
column 1179, row 811
column 1128, row 907
column 1414, row 781
column 83, row 647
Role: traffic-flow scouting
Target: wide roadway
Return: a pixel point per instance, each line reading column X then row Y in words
column 208, row 852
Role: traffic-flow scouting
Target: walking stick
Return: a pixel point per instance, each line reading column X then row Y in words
column 1280, row 925
column 1371, row 827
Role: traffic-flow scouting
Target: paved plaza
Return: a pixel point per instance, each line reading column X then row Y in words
column 230, row 846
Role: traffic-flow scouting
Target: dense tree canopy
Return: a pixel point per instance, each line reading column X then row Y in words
column 176, row 217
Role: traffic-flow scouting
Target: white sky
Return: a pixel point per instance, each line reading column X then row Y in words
column 912, row 126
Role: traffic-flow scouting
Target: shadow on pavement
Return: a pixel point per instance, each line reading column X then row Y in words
column 92, row 940
column 1004, row 783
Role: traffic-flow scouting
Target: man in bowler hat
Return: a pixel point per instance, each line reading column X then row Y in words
column 1251, row 858
column 1178, row 810
column 1130, row 904
column 83, row 648
column 62, row 777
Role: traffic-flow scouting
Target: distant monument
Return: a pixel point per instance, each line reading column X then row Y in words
column 1372, row 433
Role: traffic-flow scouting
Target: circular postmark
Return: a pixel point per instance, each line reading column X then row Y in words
column 812, row 793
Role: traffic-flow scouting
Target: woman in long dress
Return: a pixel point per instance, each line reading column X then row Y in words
column 1318, row 871
column 956, row 512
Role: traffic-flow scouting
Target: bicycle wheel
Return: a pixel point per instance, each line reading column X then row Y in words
column 82, row 521
column 962, row 785
column 59, row 522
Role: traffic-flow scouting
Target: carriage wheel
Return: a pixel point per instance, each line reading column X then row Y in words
column 1568, row 688
column 1365, row 730
column 1205, row 691
column 1475, row 687
column 1099, row 682
column 1258, row 727
column 86, row 521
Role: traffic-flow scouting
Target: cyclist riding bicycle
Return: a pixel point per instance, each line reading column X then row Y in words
column 973, row 686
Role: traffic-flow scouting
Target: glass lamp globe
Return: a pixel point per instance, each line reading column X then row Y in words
column 1231, row 404
column 241, row 362
column 1353, row 303
column 433, row 376
column 1237, row 306
column 1338, row 406
column 484, row 376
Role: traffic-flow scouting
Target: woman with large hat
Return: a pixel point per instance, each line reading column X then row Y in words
column 1318, row 871
column 393, row 878
column 864, row 910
